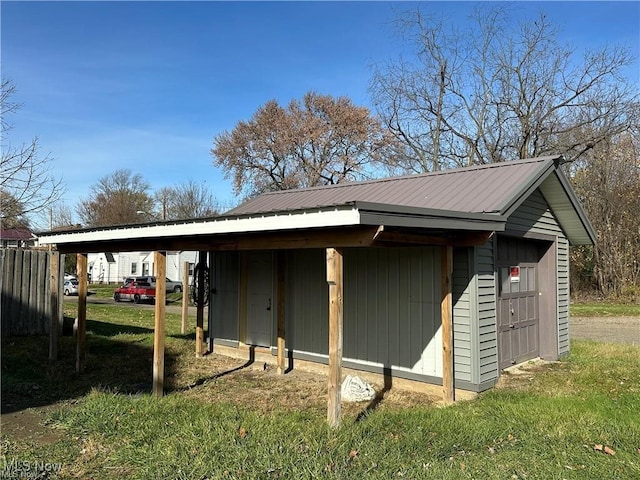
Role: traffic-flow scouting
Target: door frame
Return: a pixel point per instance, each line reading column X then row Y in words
column 546, row 282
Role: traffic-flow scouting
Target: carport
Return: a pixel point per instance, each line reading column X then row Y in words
column 457, row 220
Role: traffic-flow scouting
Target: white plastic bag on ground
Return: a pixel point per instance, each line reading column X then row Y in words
column 355, row 389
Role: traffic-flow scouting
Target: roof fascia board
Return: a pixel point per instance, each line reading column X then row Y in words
column 575, row 203
column 577, row 206
column 401, row 210
column 529, row 186
column 338, row 216
column 431, row 222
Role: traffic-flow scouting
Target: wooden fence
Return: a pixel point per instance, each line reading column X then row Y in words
column 25, row 307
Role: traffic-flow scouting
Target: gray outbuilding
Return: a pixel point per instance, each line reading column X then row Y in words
column 445, row 277
column 510, row 287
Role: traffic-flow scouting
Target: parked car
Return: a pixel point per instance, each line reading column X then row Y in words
column 136, row 289
column 69, row 276
column 70, row 287
column 175, row 287
column 172, row 286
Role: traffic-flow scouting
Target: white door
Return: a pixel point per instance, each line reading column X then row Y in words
column 259, row 298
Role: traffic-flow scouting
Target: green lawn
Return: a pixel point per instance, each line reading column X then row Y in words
column 605, row 310
column 540, row 425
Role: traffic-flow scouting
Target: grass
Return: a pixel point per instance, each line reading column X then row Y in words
column 605, row 310
column 219, row 420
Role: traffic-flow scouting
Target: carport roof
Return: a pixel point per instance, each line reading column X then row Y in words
column 477, row 198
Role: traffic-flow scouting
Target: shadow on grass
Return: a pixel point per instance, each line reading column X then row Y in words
column 203, row 380
column 29, row 379
column 108, row 329
column 377, row 400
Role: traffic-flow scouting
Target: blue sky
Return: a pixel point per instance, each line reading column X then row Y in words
column 147, row 85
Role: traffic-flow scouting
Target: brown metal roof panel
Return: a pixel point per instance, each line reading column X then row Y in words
column 476, row 189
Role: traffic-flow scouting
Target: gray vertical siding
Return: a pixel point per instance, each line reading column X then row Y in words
column 487, row 365
column 464, row 334
column 392, row 309
column 225, row 282
column 563, row 295
column 306, row 302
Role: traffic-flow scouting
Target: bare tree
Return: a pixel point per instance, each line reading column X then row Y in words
column 117, row 199
column 61, row 217
column 608, row 181
column 496, row 92
column 320, row 140
column 163, row 198
column 27, row 184
column 187, row 200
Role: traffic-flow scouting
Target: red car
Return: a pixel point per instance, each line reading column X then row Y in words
column 136, row 290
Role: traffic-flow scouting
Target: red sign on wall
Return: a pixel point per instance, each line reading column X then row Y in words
column 515, row 274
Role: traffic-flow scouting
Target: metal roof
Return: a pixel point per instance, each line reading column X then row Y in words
column 480, row 189
column 467, row 199
column 16, row 234
column 492, row 189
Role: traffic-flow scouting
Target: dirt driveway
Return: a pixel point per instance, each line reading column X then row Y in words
column 606, row 329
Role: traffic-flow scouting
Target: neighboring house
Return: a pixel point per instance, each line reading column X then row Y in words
column 17, row 238
column 501, row 232
column 108, row 267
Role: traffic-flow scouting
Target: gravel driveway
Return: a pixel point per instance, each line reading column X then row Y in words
column 606, row 329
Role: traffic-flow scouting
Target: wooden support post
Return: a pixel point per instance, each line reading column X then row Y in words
column 185, row 297
column 334, row 279
column 280, row 266
column 160, row 262
column 202, row 263
column 54, row 284
column 446, row 274
column 81, row 332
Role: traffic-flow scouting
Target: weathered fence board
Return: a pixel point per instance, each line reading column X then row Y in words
column 25, row 286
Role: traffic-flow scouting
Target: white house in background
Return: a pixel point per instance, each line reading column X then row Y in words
column 108, row 267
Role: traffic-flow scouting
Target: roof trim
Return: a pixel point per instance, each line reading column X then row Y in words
column 416, row 217
column 561, row 199
column 565, row 217
column 551, row 166
column 546, row 167
column 337, row 216
column 350, row 214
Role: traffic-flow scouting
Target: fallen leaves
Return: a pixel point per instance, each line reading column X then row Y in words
column 605, row 449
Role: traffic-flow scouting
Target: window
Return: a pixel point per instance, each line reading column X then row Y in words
column 134, row 268
column 145, row 268
column 192, row 266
